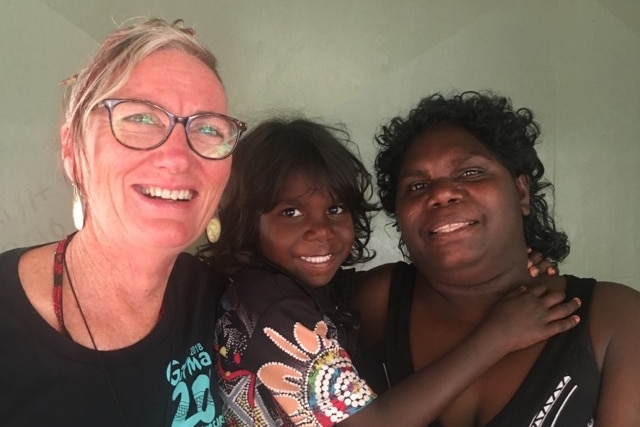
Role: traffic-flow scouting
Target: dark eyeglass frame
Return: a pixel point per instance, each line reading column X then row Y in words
column 111, row 103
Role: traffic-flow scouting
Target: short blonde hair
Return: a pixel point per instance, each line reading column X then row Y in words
column 111, row 66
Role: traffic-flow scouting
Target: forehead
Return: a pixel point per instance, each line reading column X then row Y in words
column 446, row 143
column 299, row 184
column 175, row 80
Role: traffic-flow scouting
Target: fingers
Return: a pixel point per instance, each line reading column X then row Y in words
column 562, row 325
column 549, row 298
column 537, row 264
column 543, row 267
column 552, row 269
column 559, row 317
column 533, row 258
column 517, row 291
column 537, row 290
column 552, row 298
column 564, row 310
column 528, row 316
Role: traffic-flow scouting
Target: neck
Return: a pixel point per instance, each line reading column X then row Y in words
column 471, row 292
column 119, row 292
column 138, row 274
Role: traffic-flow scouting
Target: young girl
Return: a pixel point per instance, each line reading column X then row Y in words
column 295, row 211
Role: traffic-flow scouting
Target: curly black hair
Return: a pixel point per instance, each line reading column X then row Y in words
column 510, row 134
column 261, row 163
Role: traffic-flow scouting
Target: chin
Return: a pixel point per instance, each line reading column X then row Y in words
column 316, row 281
column 169, row 237
column 451, row 263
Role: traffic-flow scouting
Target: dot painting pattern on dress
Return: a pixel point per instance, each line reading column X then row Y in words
column 330, row 385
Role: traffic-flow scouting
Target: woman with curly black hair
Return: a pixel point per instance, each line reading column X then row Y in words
column 511, row 136
column 462, row 180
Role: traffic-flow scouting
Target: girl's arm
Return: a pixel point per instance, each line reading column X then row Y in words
column 371, row 293
column 515, row 323
column 273, row 341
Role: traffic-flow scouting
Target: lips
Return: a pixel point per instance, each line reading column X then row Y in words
column 317, row 259
column 451, row 227
column 166, row 193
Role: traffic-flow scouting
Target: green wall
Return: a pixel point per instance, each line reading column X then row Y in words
column 575, row 63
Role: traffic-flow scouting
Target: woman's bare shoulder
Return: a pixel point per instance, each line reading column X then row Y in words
column 614, row 323
column 614, row 314
column 373, row 284
column 371, row 299
column 615, row 302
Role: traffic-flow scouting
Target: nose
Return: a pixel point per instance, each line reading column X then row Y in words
column 175, row 153
column 319, row 229
column 443, row 193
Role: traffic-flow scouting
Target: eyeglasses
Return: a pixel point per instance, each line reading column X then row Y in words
column 141, row 125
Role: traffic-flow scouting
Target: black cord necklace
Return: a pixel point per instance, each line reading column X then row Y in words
column 103, row 366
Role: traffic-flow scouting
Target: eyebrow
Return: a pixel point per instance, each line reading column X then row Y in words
column 455, row 162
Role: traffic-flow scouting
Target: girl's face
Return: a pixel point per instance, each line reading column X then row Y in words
column 308, row 233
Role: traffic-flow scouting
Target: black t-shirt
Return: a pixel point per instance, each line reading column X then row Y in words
column 164, row 379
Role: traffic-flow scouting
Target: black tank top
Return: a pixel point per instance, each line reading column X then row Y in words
column 561, row 389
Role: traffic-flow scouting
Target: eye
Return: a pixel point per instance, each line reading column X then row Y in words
column 209, row 127
column 469, row 173
column 291, row 212
column 142, row 118
column 337, row 210
column 208, row 130
column 417, row 186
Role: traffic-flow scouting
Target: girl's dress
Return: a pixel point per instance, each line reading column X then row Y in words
column 282, row 348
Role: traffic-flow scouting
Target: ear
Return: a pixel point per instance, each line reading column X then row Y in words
column 68, row 155
column 522, row 187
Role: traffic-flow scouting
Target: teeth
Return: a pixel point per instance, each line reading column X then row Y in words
column 166, row 194
column 316, row 259
column 447, row 228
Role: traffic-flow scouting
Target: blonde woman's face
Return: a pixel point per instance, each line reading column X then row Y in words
column 162, row 197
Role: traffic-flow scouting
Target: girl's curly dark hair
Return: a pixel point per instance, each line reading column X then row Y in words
column 510, row 135
column 261, row 163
